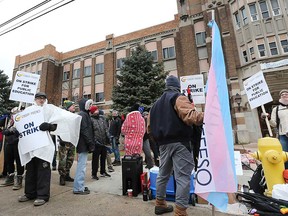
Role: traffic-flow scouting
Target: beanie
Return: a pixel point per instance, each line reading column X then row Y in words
column 93, row 109
column 68, row 104
column 282, row 91
column 172, row 81
column 40, row 94
column 134, row 107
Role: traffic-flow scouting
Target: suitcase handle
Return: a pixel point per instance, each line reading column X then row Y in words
column 129, row 157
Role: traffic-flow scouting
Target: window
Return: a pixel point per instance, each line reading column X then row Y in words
column 201, row 38
column 87, row 71
column 273, row 48
column 244, row 16
column 237, row 20
column 275, row 7
column 76, row 73
column 253, row 12
column 286, row 5
column 245, row 57
column 168, row 52
column 264, row 9
column 251, row 51
column 261, row 49
column 99, row 68
column 154, row 55
column 119, row 63
column 66, row 75
column 284, row 44
column 99, row 97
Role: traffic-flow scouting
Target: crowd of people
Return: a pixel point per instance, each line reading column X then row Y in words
column 98, row 135
column 165, row 130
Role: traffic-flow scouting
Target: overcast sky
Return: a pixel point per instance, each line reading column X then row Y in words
column 77, row 24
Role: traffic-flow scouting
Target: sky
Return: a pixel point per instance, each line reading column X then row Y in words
column 77, row 24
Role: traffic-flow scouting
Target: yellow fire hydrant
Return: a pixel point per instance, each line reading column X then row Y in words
column 273, row 158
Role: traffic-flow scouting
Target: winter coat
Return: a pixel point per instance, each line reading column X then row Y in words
column 133, row 129
column 100, row 129
column 86, row 139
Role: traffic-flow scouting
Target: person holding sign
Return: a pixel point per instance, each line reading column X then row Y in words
column 36, row 147
column 279, row 119
column 38, row 172
column 169, row 123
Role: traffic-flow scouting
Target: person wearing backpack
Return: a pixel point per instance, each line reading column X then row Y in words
column 279, row 119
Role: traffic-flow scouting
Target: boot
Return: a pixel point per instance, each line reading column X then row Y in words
column 17, row 182
column 69, row 178
column 62, row 180
column 180, row 211
column 161, row 207
column 9, row 180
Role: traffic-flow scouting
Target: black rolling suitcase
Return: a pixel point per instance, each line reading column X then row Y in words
column 132, row 168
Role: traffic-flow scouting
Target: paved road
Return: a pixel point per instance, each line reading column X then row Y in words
column 105, row 199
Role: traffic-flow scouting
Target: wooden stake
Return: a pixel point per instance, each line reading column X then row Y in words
column 267, row 121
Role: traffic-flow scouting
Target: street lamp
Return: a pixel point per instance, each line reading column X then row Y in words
column 238, row 100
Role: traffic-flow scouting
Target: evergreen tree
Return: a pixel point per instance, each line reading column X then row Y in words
column 140, row 81
column 5, row 86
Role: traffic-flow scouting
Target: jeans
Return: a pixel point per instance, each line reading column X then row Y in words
column 175, row 157
column 284, row 142
column 80, row 172
column 115, row 148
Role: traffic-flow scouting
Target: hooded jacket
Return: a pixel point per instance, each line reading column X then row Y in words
column 86, row 138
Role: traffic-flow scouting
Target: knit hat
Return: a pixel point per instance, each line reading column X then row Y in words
column 282, row 91
column 172, row 81
column 40, row 94
column 134, row 107
column 68, row 104
column 93, row 109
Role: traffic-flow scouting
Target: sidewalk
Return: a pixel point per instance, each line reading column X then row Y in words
column 105, row 199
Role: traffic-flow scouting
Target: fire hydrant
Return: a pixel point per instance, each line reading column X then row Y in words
column 273, row 158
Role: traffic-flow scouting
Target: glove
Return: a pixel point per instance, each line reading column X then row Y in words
column 45, row 126
column 264, row 115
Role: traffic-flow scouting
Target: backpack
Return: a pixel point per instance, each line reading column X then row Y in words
column 258, row 182
column 263, row 204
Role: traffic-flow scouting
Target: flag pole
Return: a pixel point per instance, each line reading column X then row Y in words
column 267, row 121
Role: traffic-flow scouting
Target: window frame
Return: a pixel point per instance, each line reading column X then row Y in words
column 99, row 68
column 255, row 15
column 66, row 75
column 264, row 11
column 77, row 73
column 244, row 15
column 272, row 49
column 237, row 20
column 97, row 97
column 85, row 74
column 284, row 46
column 261, row 50
column 169, row 52
column 276, row 8
column 200, row 41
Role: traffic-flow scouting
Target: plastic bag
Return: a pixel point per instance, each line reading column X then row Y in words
column 280, row 191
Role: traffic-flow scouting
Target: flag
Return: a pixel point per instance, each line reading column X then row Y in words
column 216, row 175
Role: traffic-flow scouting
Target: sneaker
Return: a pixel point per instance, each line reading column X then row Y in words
column 117, row 163
column 85, row 192
column 105, row 175
column 95, row 177
column 39, row 202
column 110, row 169
column 23, row 198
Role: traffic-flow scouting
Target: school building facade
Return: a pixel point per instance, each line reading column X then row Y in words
column 254, row 38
